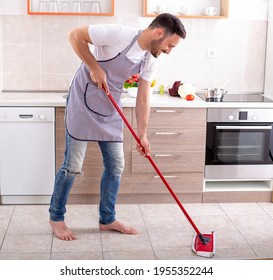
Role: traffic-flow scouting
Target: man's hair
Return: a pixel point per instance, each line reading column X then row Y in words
column 170, row 23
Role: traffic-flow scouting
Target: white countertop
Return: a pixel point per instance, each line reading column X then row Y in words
column 57, row 99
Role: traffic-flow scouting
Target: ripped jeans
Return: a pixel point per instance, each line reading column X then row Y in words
column 113, row 161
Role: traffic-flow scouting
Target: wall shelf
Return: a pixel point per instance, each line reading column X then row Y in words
column 107, row 8
column 149, row 8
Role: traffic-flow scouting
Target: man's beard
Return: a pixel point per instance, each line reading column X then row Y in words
column 155, row 47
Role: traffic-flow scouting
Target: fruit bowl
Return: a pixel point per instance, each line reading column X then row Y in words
column 132, row 92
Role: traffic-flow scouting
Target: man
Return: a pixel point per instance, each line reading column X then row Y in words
column 118, row 52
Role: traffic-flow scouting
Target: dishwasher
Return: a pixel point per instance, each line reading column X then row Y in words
column 27, row 154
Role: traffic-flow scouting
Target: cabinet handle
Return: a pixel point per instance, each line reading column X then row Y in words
column 166, row 176
column 165, row 111
column 164, row 155
column 166, row 133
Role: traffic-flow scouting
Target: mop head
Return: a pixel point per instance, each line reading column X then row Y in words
column 204, row 250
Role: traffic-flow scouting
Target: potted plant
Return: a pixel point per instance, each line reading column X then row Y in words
column 131, row 84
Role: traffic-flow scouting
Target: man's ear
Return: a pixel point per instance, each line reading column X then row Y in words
column 159, row 33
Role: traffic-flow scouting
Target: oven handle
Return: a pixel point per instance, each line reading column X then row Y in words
column 257, row 127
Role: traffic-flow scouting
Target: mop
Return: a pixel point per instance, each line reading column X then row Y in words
column 203, row 244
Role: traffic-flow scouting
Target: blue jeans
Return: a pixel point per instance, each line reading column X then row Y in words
column 113, row 161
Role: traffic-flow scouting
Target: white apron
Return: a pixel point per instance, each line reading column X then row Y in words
column 90, row 116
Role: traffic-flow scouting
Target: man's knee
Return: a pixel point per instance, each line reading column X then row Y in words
column 117, row 166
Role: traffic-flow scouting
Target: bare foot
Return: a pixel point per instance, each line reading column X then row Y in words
column 117, row 226
column 61, row 231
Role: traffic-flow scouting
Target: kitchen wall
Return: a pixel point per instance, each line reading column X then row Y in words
column 268, row 89
column 35, row 54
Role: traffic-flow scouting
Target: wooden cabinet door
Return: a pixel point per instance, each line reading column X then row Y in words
column 89, row 183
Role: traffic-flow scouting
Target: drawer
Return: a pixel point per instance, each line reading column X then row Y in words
column 180, row 183
column 175, row 118
column 181, row 140
column 91, row 185
column 188, row 161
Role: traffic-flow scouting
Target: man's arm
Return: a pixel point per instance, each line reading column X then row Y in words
column 142, row 115
column 79, row 39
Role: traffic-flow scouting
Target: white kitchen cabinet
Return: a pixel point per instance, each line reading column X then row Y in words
column 70, row 7
column 14, row 7
column 196, row 8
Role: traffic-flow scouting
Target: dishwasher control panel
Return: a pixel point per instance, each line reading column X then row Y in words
column 27, row 114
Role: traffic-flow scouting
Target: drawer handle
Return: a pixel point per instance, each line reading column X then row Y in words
column 166, row 176
column 164, row 155
column 165, row 111
column 166, row 133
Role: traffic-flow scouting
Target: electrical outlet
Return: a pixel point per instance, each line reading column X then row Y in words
column 211, row 53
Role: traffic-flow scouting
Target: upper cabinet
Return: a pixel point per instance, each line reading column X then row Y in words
column 212, row 9
column 71, row 7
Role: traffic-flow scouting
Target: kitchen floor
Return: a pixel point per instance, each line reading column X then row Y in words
column 243, row 231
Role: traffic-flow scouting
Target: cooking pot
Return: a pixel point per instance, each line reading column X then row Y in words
column 214, row 94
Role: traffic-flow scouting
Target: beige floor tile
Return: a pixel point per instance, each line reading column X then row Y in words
column 80, row 226
column 258, row 237
column 127, row 210
column 257, row 223
column 214, row 223
column 5, row 216
column 135, row 222
column 220, row 253
column 86, row 242
column 263, row 251
column 29, row 219
column 204, row 209
column 27, row 243
column 267, row 207
column 230, row 240
column 77, row 256
column 28, row 256
column 82, row 218
column 116, row 242
column 242, row 231
column 242, row 208
column 164, row 222
column 184, row 253
column 160, row 210
column 6, row 211
column 131, row 255
column 163, row 240
column 4, row 223
column 2, row 235
column 82, row 210
column 234, row 253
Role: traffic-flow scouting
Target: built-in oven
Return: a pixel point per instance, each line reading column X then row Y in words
column 239, row 144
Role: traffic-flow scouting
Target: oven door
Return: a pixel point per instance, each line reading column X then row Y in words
column 237, row 143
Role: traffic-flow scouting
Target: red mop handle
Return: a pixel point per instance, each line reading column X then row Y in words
column 154, row 164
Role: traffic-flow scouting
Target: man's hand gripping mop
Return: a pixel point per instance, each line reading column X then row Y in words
column 203, row 244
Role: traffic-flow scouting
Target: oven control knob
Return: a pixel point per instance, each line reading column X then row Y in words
column 230, row 117
column 254, row 117
column 42, row 117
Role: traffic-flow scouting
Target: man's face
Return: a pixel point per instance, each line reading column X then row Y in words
column 164, row 44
